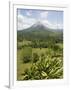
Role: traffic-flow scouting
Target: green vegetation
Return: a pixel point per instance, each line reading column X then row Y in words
column 45, row 69
column 39, row 54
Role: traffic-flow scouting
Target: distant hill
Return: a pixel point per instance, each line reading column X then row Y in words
column 40, row 31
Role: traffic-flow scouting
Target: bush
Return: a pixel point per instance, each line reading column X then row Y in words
column 56, row 47
column 27, row 59
column 51, row 68
column 26, row 54
column 35, row 57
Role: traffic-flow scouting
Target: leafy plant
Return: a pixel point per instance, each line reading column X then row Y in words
column 48, row 68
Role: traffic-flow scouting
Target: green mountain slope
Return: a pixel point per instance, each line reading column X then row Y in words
column 40, row 32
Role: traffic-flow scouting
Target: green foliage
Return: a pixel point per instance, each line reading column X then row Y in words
column 27, row 59
column 19, row 36
column 48, row 68
column 43, row 50
column 40, row 34
column 35, row 57
column 26, row 54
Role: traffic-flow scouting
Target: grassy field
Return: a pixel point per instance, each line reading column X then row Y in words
column 21, row 67
column 48, row 54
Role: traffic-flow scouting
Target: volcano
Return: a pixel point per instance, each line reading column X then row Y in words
column 40, row 31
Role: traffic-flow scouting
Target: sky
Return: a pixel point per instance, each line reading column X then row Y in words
column 50, row 18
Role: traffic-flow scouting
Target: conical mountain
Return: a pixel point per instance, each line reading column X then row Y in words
column 40, row 31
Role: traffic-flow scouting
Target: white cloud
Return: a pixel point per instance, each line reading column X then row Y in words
column 44, row 20
column 24, row 22
column 43, row 15
column 52, row 26
column 29, row 13
column 59, row 26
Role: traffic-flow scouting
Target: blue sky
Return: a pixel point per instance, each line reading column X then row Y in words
column 51, row 18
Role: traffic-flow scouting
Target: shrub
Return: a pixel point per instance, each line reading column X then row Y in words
column 26, row 54
column 27, row 59
column 35, row 57
column 49, row 68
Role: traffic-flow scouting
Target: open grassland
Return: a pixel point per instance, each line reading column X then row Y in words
column 41, row 63
column 21, row 67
